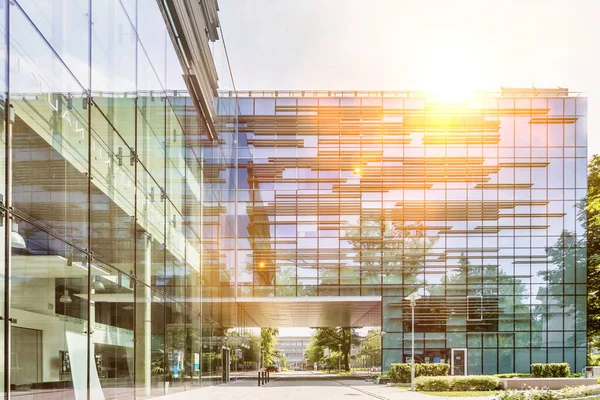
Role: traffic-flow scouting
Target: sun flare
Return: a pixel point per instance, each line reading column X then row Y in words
column 453, row 75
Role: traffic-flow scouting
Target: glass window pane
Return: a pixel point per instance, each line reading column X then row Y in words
column 49, row 287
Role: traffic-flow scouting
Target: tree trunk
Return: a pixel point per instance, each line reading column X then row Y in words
column 346, row 346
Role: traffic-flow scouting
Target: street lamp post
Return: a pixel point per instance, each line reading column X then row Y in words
column 340, row 357
column 382, row 334
column 413, row 297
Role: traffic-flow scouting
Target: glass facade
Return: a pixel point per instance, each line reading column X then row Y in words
column 113, row 199
column 476, row 205
column 140, row 221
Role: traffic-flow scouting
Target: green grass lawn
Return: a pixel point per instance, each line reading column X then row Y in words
column 462, row 394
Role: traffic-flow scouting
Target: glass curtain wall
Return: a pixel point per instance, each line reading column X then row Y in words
column 111, row 208
column 477, row 206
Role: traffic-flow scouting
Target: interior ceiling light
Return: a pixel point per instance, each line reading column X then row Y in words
column 97, row 284
column 65, row 298
column 16, row 240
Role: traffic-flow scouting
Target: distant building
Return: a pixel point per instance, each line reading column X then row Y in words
column 293, row 348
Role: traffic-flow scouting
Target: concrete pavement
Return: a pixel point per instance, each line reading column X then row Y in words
column 306, row 386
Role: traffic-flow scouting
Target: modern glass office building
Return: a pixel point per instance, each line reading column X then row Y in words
column 113, row 182
column 148, row 222
column 476, row 205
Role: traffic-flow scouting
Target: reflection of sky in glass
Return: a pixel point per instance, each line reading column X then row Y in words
column 500, row 201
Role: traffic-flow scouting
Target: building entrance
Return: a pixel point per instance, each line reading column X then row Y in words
column 459, row 362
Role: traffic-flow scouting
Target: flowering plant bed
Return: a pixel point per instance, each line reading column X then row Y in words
column 546, row 383
column 544, row 394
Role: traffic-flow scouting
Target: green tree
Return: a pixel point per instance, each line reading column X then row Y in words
column 282, row 358
column 370, row 348
column 314, row 352
column 337, row 339
column 267, row 343
column 590, row 214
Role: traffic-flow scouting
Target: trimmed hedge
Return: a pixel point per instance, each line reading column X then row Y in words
column 512, row 375
column 433, row 383
column 400, row 373
column 479, row 383
column 551, row 370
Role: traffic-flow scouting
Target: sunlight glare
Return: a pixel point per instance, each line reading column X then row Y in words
column 453, row 74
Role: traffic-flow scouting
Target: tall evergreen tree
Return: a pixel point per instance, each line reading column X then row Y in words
column 590, row 214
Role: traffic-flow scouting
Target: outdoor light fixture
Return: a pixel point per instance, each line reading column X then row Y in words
column 65, row 298
column 261, row 264
column 16, row 240
column 97, row 284
column 413, row 297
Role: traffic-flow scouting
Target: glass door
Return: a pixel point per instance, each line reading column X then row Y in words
column 26, row 357
column 459, row 361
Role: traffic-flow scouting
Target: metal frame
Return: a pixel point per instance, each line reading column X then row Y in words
column 469, row 299
column 452, row 360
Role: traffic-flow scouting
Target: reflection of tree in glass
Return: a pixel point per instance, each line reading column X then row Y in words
column 248, row 355
column 501, row 294
column 388, row 252
column 468, row 279
column 566, row 256
column 212, row 340
column 180, row 338
column 287, row 285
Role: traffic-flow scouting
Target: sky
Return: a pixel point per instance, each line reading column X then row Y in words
column 448, row 46
column 440, row 45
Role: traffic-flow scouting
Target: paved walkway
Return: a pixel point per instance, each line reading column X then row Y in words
column 306, row 386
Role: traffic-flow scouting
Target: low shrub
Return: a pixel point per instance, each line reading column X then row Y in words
column 432, row 369
column 433, row 383
column 400, row 373
column 478, row 383
column 551, row 370
column 512, row 375
column 593, row 359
